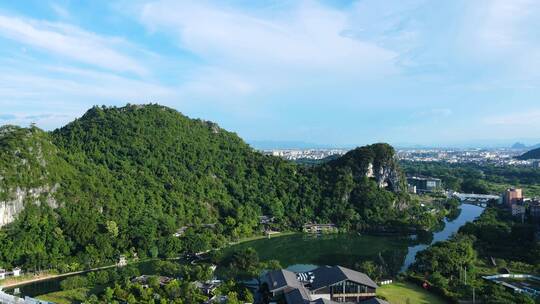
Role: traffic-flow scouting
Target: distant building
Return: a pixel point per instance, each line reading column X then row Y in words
column 324, row 285
column 144, row 280
column 207, row 288
column 2, row 274
column 320, row 228
column 424, row 184
column 518, row 209
column 536, row 164
column 16, row 271
column 122, row 261
column 180, row 231
column 534, row 209
column 266, row 219
column 512, row 196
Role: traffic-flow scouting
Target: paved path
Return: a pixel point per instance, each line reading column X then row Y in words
column 53, row 276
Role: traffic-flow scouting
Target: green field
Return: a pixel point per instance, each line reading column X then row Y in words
column 66, row 297
column 408, row 293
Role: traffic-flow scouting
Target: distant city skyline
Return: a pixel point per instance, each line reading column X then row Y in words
column 473, row 144
column 332, row 73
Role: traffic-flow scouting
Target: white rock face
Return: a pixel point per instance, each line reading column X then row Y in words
column 385, row 176
column 369, row 172
column 11, row 208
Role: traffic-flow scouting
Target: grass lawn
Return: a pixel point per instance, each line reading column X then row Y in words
column 66, row 297
column 400, row 292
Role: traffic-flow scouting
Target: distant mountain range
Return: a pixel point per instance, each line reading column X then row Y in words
column 531, row 154
column 522, row 146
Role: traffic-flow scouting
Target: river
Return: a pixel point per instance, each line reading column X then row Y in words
column 468, row 214
column 300, row 252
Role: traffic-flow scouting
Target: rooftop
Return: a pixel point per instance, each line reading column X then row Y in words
column 325, row 276
column 299, row 287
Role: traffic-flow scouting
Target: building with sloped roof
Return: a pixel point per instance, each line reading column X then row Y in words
column 324, row 285
column 281, row 281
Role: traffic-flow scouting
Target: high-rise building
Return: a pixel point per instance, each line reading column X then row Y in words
column 512, row 196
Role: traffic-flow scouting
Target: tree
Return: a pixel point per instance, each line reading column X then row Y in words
column 371, row 269
column 112, row 228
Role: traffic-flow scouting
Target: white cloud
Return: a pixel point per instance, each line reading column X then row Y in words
column 434, row 113
column 70, row 42
column 519, row 119
column 69, row 82
column 504, row 35
column 501, row 26
column 60, row 11
column 286, row 44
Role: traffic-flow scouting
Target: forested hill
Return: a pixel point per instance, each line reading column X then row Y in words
column 121, row 180
column 532, row 154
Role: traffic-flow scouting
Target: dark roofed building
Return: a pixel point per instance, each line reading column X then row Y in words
column 327, row 276
column 324, row 285
column 298, row 295
column 281, row 281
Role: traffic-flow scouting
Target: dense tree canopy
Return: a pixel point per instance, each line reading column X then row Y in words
column 123, row 180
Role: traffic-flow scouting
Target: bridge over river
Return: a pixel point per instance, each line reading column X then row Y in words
column 476, row 199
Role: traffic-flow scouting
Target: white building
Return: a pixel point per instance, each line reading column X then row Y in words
column 2, row 274
column 16, row 271
column 122, row 261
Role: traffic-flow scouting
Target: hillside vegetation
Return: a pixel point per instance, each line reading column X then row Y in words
column 532, row 154
column 125, row 179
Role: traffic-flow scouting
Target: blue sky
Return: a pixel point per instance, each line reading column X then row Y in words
column 328, row 72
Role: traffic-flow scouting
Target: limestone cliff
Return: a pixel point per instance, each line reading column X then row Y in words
column 376, row 161
column 10, row 208
column 26, row 158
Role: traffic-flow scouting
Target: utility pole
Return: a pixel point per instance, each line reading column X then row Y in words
column 465, row 275
column 473, row 296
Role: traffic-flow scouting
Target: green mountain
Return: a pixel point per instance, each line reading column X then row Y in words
column 120, row 180
column 532, row 154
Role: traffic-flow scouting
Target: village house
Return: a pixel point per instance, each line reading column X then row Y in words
column 144, row 280
column 207, row 288
column 2, row 274
column 266, row 219
column 324, row 285
column 320, row 228
column 180, row 231
column 16, row 271
column 122, row 261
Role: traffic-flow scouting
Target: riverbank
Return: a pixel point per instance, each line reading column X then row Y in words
column 48, row 276
column 260, row 237
column 26, row 279
column 29, row 279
